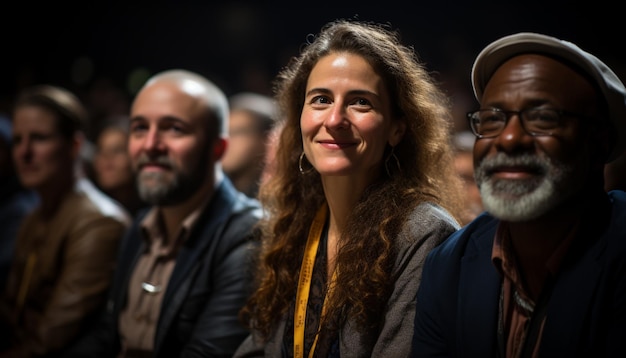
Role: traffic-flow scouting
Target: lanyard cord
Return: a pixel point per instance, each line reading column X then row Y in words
column 304, row 282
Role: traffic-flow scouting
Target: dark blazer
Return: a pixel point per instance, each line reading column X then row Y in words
column 209, row 285
column 457, row 302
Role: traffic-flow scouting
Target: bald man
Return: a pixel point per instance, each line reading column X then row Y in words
column 183, row 273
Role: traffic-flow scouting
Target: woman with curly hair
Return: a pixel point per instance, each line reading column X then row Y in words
column 364, row 187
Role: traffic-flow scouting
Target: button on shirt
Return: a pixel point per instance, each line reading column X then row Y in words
column 148, row 283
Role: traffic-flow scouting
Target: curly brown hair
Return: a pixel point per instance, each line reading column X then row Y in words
column 291, row 199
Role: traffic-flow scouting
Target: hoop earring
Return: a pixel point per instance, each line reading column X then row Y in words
column 396, row 160
column 302, row 171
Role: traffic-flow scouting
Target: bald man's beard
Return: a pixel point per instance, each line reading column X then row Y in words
column 174, row 186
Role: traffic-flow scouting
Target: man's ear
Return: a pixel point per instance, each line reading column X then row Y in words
column 219, row 148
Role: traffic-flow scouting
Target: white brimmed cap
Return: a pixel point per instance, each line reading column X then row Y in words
column 492, row 56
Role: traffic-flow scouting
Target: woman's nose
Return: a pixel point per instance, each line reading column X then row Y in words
column 337, row 117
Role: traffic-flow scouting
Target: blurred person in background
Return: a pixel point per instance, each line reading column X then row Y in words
column 269, row 162
column 184, row 267
column 112, row 167
column 15, row 200
column 66, row 248
column 464, row 163
column 252, row 117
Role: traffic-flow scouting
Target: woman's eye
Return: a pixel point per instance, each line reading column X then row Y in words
column 320, row 100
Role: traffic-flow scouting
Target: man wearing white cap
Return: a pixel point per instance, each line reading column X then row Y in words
column 543, row 271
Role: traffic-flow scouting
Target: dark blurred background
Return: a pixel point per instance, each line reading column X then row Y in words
column 104, row 51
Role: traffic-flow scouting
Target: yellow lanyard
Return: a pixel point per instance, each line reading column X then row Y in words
column 304, row 282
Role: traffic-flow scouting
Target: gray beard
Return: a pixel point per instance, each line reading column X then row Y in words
column 168, row 192
column 155, row 192
column 523, row 200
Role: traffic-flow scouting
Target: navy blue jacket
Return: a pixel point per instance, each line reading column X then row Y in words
column 457, row 302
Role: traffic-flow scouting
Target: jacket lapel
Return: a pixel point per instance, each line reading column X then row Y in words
column 572, row 307
column 200, row 243
column 209, row 224
column 479, row 299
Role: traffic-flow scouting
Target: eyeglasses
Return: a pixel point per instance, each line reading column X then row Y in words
column 489, row 123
